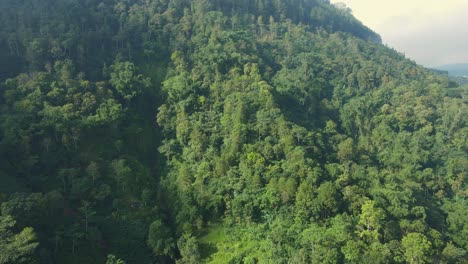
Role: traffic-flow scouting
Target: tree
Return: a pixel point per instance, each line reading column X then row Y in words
column 304, row 199
column 189, row 250
column 160, row 239
column 452, row 254
column 111, row 259
column 370, row 221
column 126, row 81
column 16, row 247
column 417, row 248
column 88, row 212
column 346, row 150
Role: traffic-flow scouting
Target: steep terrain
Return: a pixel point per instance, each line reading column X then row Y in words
column 222, row 132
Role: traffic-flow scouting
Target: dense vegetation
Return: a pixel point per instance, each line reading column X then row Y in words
column 266, row 131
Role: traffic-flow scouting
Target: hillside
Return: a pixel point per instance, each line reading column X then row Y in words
column 266, row 131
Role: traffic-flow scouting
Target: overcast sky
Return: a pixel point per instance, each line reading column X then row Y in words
column 431, row 32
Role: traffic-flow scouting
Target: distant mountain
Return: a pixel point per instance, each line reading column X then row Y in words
column 460, row 69
column 438, row 72
column 461, row 80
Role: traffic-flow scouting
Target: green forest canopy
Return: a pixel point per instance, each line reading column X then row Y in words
column 266, row 131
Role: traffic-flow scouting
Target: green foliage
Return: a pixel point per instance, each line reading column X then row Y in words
column 284, row 133
column 189, row 250
column 370, row 222
column 125, row 80
column 416, row 247
column 160, row 239
column 111, row 259
column 453, row 254
column 16, row 247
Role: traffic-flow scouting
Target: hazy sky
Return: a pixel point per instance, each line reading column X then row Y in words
column 431, row 32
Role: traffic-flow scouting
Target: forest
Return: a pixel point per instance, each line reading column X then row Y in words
column 223, row 131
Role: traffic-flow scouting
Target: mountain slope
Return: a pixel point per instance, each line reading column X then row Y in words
column 225, row 132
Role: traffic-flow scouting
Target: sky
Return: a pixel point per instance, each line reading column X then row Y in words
column 431, row 32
